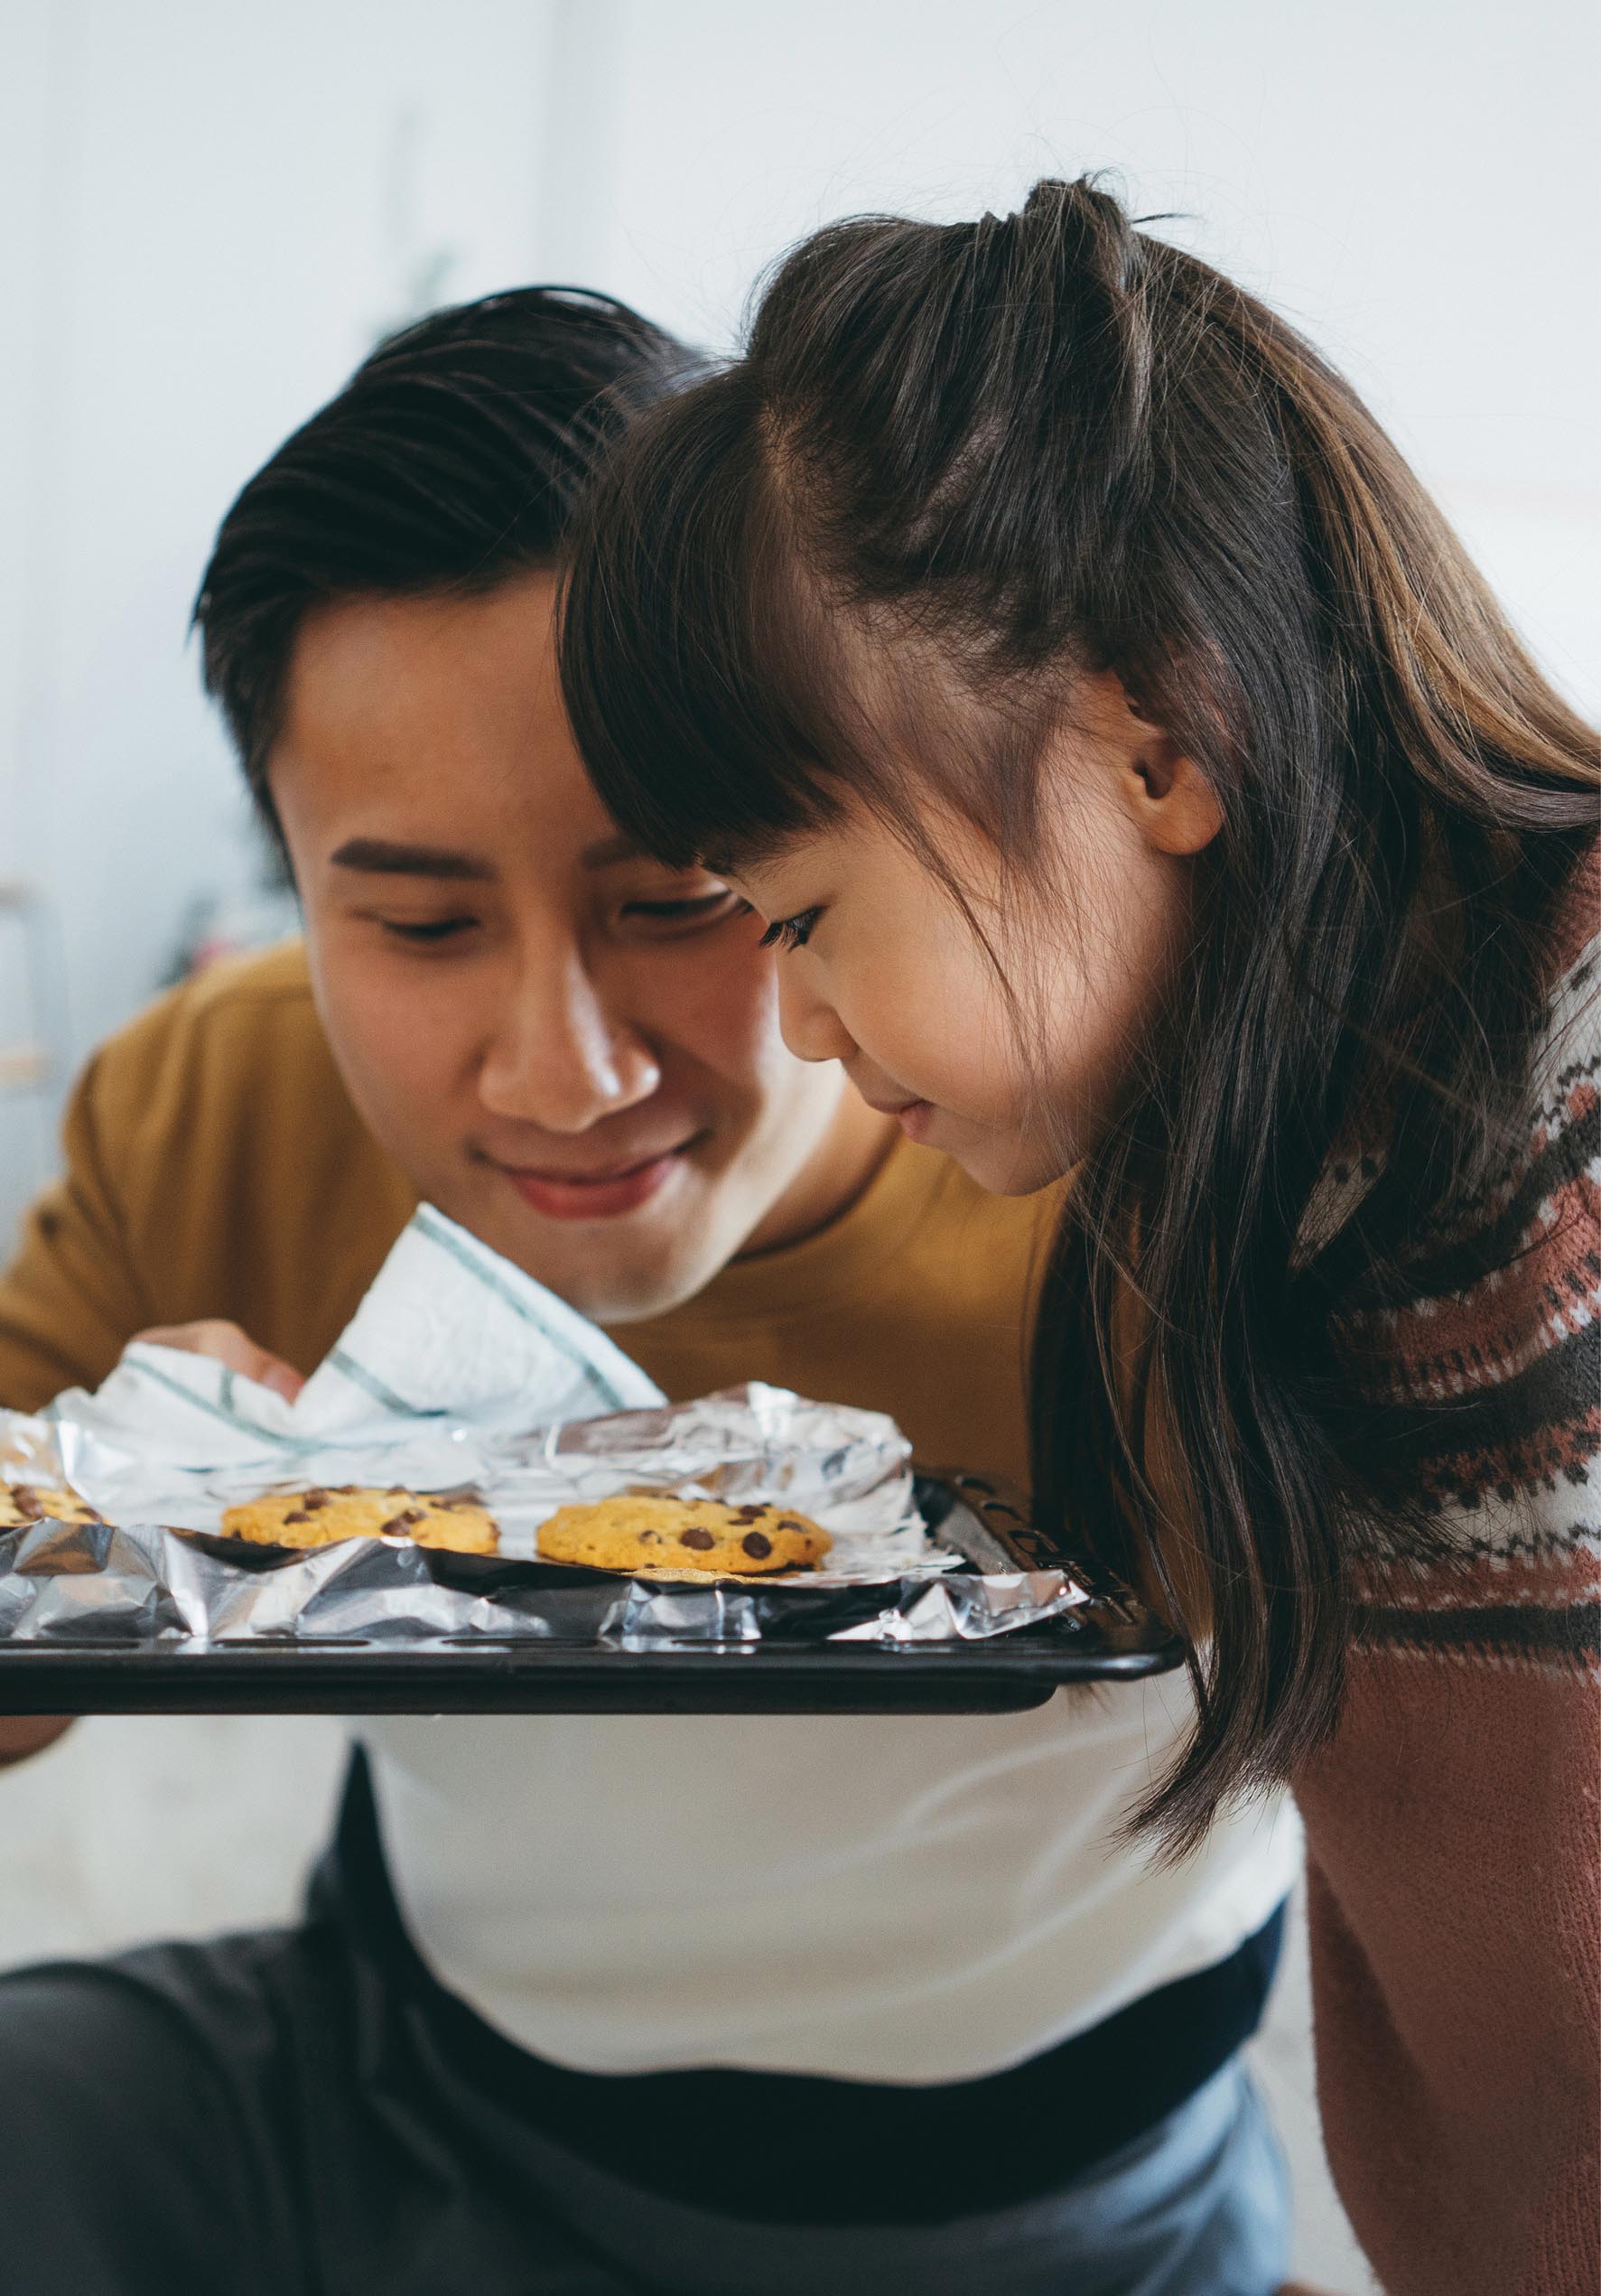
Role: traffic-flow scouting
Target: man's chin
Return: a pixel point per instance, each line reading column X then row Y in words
column 625, row 1295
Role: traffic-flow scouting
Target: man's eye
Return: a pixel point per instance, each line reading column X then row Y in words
column 436, row 930
column 791, row 932
column 699, row 908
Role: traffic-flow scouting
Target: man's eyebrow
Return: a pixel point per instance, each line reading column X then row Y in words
column 379, row 857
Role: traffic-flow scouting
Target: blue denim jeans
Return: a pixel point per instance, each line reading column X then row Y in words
column 1199, row 2206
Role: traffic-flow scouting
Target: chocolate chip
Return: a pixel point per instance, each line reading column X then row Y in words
column 315, row 1499
column 298, row 1516
column 697, row 1538
column 749, row 1514
column 787, row 1524
column 28, row 1503
column 413, row 1514
column 756, row 1544
column 398, row 1523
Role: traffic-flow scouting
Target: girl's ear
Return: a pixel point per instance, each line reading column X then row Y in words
column 1171, row 801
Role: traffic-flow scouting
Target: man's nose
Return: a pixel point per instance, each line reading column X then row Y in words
column 560, row 1059
column 811, row 1027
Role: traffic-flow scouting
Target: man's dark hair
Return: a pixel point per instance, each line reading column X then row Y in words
column 450, row 460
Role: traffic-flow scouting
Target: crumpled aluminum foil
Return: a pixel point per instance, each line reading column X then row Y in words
column 90, row 1583
column 849, row 1470
column 180, row 1583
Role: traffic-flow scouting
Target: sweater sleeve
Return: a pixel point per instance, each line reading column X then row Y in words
column 71, row 1298
column 1453, row 1900
column 1452, row 1822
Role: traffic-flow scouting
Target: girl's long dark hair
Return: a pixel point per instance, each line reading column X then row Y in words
column 956, row 467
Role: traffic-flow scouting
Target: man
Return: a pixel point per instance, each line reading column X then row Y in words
column 605, row 2002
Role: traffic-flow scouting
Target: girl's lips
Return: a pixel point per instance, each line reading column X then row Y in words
column 915, row 1117
column 575, row 1196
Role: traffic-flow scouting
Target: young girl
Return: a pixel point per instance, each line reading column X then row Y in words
column 1143, row 782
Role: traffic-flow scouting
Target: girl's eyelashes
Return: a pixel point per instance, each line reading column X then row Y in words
column 792, row 932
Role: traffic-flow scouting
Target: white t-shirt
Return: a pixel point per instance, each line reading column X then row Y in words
column 893, row 1899
column 899, row 1898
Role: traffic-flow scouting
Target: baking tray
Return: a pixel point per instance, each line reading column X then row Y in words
column 1112, row 1637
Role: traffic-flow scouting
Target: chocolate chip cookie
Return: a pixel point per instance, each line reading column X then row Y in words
column 636, row 1532
column 316, row 1517
column 38, row 1502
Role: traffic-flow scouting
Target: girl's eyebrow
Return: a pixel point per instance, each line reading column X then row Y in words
column 377, row 856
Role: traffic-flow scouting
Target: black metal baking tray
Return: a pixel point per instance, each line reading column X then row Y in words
column 1112, row 1636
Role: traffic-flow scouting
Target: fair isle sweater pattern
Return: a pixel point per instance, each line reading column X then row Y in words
column 1498, row 1358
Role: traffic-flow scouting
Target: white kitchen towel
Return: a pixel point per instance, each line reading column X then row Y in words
column 450, row 1345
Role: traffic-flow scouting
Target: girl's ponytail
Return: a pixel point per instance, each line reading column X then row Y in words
column 957, row 466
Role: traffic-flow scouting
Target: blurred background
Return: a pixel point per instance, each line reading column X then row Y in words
column 213, row 209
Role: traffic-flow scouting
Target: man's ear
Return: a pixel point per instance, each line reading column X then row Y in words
column 1168, row 796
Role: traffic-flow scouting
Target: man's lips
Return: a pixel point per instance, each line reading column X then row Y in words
column 569, row 1192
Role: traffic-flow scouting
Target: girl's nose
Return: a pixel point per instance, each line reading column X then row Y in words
column 812, row 1029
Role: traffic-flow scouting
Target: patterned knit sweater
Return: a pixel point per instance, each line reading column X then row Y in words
column 1452, row 1824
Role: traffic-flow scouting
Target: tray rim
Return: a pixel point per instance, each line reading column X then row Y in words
column 297, row 1675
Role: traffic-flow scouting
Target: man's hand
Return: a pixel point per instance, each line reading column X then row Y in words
column 227, row 1344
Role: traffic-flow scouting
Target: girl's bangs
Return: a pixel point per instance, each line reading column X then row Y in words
column 698, row 659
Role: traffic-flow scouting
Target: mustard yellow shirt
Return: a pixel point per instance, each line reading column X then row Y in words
column 216, row 1167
